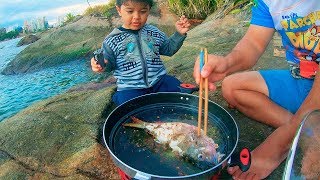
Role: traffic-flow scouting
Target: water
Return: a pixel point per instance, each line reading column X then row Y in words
column 19, row 91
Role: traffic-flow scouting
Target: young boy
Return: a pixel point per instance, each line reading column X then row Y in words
column 133, row 52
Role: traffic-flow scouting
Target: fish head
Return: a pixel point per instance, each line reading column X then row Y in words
column 204, row 154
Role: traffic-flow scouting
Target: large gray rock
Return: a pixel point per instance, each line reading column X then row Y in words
column 58, row 138
column 28, row 40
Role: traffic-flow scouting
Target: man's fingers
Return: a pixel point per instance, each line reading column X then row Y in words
column 206, row 70
column 212, row 86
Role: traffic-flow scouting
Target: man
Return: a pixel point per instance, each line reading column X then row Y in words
column 279, row 98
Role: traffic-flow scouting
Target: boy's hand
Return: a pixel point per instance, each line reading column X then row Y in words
column 95, row 65
column 183, row 25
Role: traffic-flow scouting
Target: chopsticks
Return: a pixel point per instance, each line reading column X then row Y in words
column 203, row 87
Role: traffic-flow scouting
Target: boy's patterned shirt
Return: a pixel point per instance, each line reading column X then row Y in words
column 135, row 57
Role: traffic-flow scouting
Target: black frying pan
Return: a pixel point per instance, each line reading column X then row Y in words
column 135, row 152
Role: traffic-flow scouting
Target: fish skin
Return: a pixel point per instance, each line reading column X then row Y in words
column 182, row 138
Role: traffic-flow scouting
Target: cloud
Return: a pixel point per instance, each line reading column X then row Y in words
column 17, row 11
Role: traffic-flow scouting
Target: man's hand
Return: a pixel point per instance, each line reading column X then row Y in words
column 182, row 25
column 215, row 70
column 95, row 66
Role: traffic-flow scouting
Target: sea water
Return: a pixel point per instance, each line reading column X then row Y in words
column 20, row 91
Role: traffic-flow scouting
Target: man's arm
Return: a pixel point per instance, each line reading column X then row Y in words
column 249, row 49
column 243, row 56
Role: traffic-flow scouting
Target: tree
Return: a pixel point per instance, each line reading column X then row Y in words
column 3, row 30
column 69, row 18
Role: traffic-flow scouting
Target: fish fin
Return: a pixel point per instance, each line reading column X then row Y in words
column 142, row 126
column 220, row 156
column 137, row 123
column 217, row 157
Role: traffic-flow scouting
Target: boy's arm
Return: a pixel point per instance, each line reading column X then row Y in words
column 171, row 45
column 110, row 56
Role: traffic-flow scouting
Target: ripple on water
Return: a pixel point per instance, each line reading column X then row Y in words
column 20, row 91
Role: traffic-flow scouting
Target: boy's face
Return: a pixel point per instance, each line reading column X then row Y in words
column 133, row 14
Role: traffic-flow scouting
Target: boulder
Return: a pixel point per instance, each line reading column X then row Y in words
column 28, row 40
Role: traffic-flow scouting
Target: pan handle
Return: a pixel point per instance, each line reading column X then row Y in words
column 188, row 88
column 142, row 176
column 242, row 159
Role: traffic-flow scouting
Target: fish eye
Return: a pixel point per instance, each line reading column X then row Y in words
column 200, row 156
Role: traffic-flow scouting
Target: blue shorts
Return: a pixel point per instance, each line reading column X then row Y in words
column 285, row 90
column 165, row 84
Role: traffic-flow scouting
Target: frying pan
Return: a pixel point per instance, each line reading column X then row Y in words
column 139, row 156
column 303, row 158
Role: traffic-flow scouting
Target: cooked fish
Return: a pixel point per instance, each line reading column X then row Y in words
column 182, row 138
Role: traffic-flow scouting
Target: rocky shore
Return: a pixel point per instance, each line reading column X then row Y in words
column 60, row 138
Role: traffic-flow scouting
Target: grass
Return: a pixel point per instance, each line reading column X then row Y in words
column 201, row 9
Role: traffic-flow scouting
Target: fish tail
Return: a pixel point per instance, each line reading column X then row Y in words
column 137, row 123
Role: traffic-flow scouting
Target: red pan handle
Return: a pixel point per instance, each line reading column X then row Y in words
column 188, row 88
column 241, row 159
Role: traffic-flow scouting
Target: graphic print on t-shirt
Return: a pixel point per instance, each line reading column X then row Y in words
column 303, row 34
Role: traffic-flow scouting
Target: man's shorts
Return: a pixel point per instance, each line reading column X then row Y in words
column 285, row 90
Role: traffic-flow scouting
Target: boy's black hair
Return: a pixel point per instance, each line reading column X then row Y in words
column 148, row 2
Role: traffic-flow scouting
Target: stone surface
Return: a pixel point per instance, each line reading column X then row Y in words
column 28, row 40
column 60, row 138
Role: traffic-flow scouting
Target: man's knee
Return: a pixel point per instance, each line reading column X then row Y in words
column 226, row 87
column 229, row 85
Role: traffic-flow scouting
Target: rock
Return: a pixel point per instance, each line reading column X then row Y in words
column 28, row 40
column 58, row 138
column 60, row 45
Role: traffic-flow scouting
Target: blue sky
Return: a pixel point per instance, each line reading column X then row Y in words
column 15, row 12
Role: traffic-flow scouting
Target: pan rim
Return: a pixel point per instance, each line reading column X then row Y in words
column 171, row 177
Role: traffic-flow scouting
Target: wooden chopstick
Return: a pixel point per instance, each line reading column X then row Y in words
column 203, row 60
column 200, row 99
column 206, row 95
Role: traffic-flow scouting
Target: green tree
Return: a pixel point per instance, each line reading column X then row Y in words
column 9, row 35
column 69, row 18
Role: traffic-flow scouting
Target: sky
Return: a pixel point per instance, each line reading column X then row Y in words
column 15, row 12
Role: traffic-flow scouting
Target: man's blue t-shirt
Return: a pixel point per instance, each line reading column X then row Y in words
column 297, row 21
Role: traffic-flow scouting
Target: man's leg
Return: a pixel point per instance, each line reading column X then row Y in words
column 249, row 93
